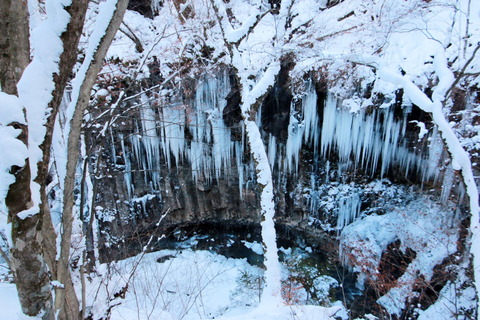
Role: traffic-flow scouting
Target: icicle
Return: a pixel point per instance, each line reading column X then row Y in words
column 211, row 148
column 135, row 142
column 173, row 133
column 145, row 145
column 313, row 194
column 113, row 154
column 328, row 126
column 88, row 179
column 327, row 172
column 310, row 117
column 272, row 150
column 222, row 147
column 374, row 141
column 302, row 129
column 200, row 158
column 239, row 156
column 294, row 143
column 348, row 211
column 447, row 184
column 127, row 172
column 435, row 156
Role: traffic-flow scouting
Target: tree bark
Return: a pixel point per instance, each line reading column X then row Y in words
column 14, row 43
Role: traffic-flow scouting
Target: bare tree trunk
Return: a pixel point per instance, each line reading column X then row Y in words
column 66, row 299
column 68, row 58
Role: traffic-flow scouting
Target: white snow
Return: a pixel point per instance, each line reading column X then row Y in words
column 9, row 303
column 11, row 110
column 191, row 285
column 421, row 225
column 254, row 246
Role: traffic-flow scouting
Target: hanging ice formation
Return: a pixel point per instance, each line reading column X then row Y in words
column 348, row 210
column 303, row 129
column 211, row 147
column 374, row 141
column 172, row 132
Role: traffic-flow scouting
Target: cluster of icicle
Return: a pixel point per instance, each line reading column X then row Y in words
column 177, row 134
column 373, row 141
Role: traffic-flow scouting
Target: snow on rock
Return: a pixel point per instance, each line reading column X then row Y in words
column 254, row 246
column 421, row 226
column 451, row 301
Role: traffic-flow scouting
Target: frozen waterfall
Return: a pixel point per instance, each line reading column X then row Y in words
column 174, row 131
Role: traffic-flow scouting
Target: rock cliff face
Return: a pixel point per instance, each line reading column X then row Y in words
column 182, row 152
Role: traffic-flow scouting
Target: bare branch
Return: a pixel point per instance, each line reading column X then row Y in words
column 132, row 36
column 462, row 72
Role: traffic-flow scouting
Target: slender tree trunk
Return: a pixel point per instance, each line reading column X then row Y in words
column 68, row 58
column 66, row 299
column 271, row 294
column 252, row 97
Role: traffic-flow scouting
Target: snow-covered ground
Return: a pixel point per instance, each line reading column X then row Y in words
column 185, row 284
column 199, row 285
